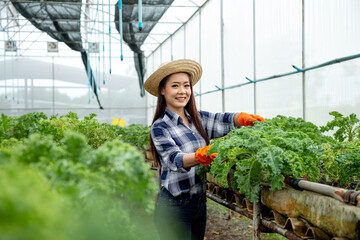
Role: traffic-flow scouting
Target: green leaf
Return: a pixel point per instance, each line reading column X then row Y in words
column 248, row 177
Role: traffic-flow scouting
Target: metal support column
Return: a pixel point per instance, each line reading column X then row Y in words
column 200, row 82
column 26, row 97
column 222, row 56
column 32, row 93
column 171, row 49
column 256, row 221
column 303, row 62
column 53, row 87
column 184, row 41
column 254, row 54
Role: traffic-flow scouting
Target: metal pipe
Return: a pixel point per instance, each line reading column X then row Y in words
column 334, row 61
column 121, row 29
column 140, row 14
column 77, row 20
column 265, row 225
column 286, row 233
column 243, row 212
column 341, row 194
column 109, row 41
column 148, row 4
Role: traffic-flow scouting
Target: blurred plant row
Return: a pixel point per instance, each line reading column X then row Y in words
column 66, row 178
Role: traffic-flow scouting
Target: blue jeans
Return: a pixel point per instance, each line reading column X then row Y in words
column 182, row 217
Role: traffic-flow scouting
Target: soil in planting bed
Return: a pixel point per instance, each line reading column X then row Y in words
column 225, row 224
column 222, row 224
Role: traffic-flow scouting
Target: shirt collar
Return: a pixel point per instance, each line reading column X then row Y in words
column 174, row 117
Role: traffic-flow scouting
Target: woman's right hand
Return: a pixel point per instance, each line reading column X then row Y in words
column 201, row 155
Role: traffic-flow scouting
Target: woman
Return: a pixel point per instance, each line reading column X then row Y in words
column 179, row 142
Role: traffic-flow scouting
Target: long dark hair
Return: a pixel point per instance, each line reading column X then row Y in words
column 191, row 109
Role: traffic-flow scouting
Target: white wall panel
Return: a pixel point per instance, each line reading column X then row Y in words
column 281, row 96
column 192, row 34
column 178, row 43
column 166, row 51
column 211, row 102
column 238, row 41
column 192, row 47
column 278, row 36
column 333, row 88
column 240, row 99
column 331, row 30
column 210, row 46
column 157, row 59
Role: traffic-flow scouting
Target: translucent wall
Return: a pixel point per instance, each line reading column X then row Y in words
column 193, row 47
column 165, row 50
column 57, row 86
column 333, row 88
column 210, row 36
column 331, row 30
column 150, row 99
column 238, row 42
column 178, row 44
column 240, row 99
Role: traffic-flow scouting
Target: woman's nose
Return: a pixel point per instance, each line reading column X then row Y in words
column 182, row 89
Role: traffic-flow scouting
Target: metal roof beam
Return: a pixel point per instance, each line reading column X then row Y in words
column 105, row 4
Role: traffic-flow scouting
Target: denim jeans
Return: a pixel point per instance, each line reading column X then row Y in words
column 182, row 217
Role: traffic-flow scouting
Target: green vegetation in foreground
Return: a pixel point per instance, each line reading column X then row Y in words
column 65, row 178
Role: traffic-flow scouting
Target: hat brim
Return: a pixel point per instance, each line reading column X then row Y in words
column 185, row 65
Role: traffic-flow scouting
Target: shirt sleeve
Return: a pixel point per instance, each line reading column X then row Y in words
column 217, row 124
column 169, row 152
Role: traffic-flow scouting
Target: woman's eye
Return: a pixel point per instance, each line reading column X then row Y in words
column 173, row 85
column 187, row 85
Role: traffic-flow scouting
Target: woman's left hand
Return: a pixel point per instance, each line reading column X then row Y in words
column 246, row 119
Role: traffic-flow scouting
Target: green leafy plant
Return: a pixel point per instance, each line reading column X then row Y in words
column 135, row 134
column 286, row 146
column 101, row 186
column 267, row 152
column 347, row 127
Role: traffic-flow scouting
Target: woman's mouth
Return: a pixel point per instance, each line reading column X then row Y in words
column 180, row 99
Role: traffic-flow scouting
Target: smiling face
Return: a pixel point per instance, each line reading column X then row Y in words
column 177, row 91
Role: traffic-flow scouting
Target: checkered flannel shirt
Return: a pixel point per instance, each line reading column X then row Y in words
column 172, row 139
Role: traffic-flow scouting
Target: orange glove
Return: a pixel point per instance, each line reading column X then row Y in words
column 200, row 155
column 246, row 119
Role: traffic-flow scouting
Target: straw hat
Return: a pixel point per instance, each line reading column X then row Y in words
column 185, row 65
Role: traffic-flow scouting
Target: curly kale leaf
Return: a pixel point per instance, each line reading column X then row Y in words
column 248, row 176
column 347, row 127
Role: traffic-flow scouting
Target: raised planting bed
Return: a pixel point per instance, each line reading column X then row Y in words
column 307, row 214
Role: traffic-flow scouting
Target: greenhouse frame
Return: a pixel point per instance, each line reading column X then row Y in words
column 251, row 41
column 87, row 150
column 256, row 40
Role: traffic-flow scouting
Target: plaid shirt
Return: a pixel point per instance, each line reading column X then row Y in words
column 172, row 139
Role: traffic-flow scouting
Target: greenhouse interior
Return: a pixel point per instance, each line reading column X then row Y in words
column 87, row 152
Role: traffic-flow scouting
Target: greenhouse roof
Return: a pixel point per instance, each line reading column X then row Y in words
column 92, row 28
column 96, row 23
